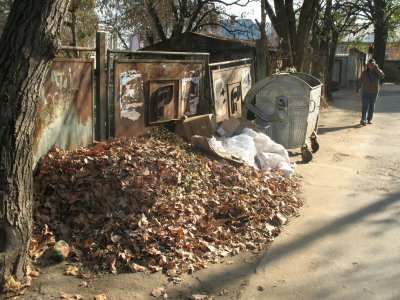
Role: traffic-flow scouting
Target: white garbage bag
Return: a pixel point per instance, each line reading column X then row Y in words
column 242, row 146
column 256, row 150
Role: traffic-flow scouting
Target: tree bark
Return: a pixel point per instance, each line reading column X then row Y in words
column 73, row 29
column 262, row 47
column 294, row 38
column 380, row 32
column 27, row 46
column 326, row 45
column 329, row 69
column 156, row 21
column 308, row 14
column 280, row 21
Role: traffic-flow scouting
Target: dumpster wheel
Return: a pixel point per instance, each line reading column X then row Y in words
column 306, row 154
column 314, row 145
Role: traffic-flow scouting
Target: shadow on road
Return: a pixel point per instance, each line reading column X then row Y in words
column 324, row 130
column 334, row 227
column 240, row 274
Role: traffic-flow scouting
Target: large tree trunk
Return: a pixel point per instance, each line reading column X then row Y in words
column 380, row 32
column 27, row 46
column 321, row 40
column 308, row 14
column 324, row 47
column 294, row 38
column 280, row 22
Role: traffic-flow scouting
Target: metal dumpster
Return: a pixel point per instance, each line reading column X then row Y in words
column 289, row 104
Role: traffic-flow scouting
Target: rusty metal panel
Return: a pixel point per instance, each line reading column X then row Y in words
column 230, row 86
column 149, row 92
column 65, row 109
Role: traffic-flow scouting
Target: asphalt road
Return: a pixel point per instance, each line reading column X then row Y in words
column 346, row 243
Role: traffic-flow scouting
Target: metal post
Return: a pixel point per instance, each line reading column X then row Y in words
column 110, row 100
column 101, row 100
column 261, row 59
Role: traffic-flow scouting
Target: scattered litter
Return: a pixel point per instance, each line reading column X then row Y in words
column 61, row 250
column 256, row 149
column 72, row 271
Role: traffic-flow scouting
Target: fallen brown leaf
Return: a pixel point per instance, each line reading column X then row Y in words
column 158, row 292
column 100, row 297
column 153, row 203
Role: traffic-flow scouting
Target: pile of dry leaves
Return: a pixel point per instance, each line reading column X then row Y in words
column 151, row 204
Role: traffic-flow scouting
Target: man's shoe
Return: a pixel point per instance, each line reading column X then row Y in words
column 369, row 122
column 362, row 122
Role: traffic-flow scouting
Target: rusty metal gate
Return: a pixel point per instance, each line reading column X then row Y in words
column 149, row 88
column 134, row 91
column 231, row 81
column 155, row 87
column 65, row 109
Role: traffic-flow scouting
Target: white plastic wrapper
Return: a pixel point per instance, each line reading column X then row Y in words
column 249, row 132
column 274, row 160
column 256, row 150
column 242, row 146
column 216, row 145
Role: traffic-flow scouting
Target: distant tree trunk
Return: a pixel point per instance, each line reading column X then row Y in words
column 308, row 14
column 330, row 63
column 73, row 11
column 156, row 21
column 27, row 46
column 325, row 49
column 280, row 22
column 294, row 36
column 321, row 40
column 261, row 47
column 380, row 32
column 318, row 69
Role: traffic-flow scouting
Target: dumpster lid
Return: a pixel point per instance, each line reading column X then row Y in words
column 309, row 79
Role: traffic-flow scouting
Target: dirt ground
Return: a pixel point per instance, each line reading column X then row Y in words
column 344, row 245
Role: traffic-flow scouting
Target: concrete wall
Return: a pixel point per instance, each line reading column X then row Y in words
column 355, row 67
column 340, row 70
column 347, row 69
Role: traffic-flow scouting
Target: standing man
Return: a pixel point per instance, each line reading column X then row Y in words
column 369, row 85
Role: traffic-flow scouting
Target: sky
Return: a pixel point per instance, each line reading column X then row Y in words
column 252, row 10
